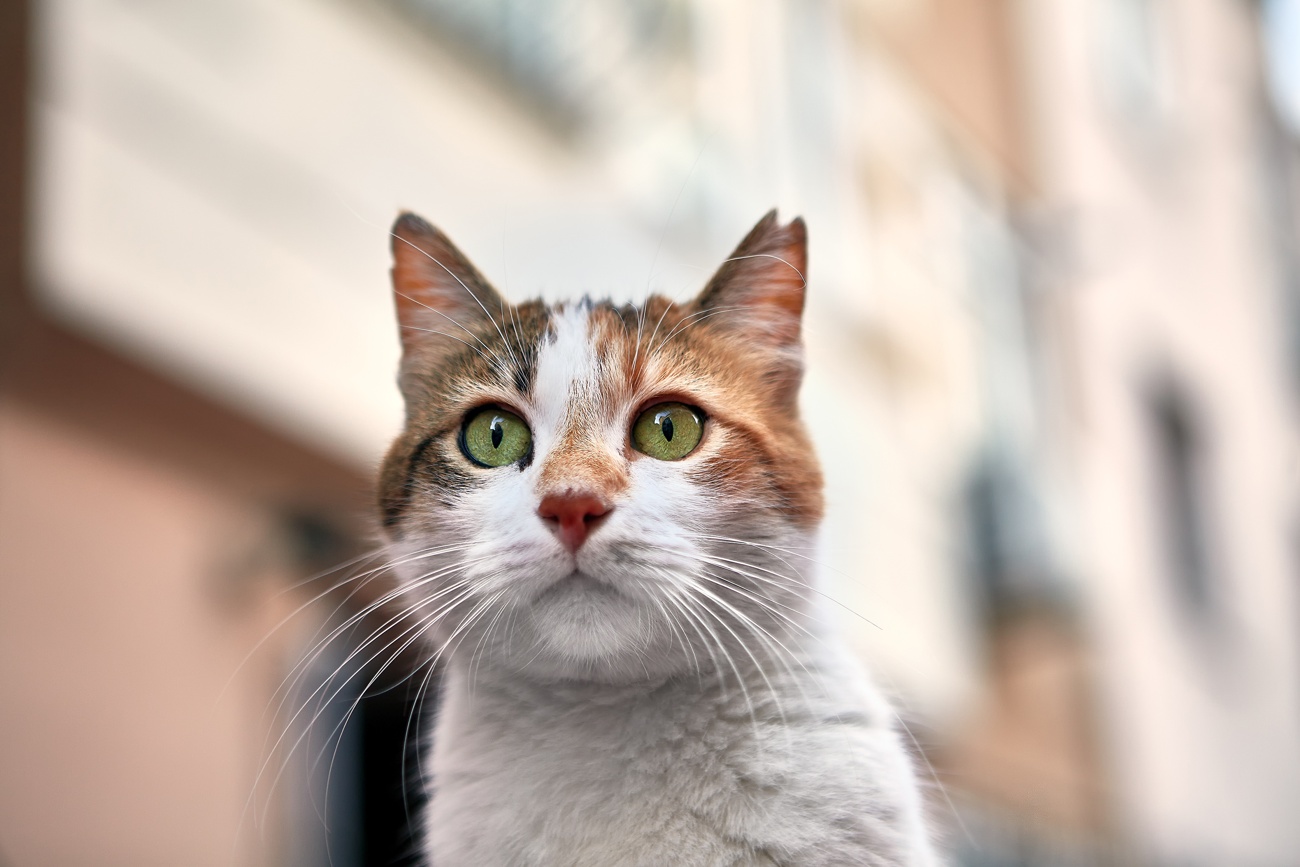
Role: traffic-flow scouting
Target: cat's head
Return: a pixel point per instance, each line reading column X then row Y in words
column 590, row 490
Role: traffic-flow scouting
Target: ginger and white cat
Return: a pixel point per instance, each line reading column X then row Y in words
column 602, row 518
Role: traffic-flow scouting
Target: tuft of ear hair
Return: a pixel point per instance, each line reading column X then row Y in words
column 439, row 294
column 759, row 289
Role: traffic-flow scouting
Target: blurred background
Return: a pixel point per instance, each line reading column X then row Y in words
column 1054, row 334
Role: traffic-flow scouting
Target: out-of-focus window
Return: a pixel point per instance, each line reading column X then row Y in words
column 1178, row 444
column 1012, row 548
column 1010, row 562
column 1280, row 20
column 572, row 58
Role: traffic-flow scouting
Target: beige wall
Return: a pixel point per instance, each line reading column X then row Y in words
column 120, row 623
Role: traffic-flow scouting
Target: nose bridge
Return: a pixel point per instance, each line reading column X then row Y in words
column 582, row 462
column 578, row 367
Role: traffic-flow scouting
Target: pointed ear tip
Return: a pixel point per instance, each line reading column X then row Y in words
column 795, row 231
column 792, row 237
column 409, row 220
column 410, row 225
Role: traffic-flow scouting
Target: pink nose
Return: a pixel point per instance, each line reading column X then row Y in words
column 572, row 516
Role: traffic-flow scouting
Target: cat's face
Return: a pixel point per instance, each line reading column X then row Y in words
column 584, row 490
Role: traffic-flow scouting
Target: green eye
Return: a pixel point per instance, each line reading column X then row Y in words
column 493, row 437
column 668, row 431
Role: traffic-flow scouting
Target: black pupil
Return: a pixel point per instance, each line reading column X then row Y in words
column 498, row 431
column 666, row 425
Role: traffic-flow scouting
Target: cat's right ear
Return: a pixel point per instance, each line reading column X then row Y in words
column 439, row 295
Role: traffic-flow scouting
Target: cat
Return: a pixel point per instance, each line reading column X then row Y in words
column 601, row 516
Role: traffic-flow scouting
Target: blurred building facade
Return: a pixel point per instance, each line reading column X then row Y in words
column 1054, row 303
column 1160, row 147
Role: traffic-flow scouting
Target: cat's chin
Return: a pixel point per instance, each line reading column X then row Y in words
column 585, row 627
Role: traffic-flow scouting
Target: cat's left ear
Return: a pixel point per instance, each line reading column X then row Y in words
column 439, row 295
column 758, row 294
column 759, row 290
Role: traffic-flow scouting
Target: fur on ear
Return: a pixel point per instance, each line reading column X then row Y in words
column 758, row 295
column 759, row 289
column 440, row 296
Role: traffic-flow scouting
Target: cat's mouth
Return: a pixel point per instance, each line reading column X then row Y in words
column 579, row 585
column 579, row 581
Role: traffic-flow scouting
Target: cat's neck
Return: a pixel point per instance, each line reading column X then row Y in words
column 787, row 665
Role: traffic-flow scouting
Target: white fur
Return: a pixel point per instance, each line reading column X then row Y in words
column 673, row 772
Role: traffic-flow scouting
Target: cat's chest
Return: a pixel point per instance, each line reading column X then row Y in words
column 583, row 779
column 664, row 741
column 673, row 776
